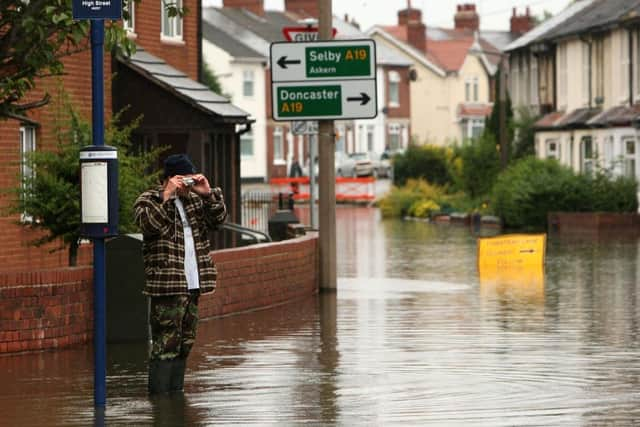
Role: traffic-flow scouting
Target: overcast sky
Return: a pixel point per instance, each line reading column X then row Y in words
column 494, row 14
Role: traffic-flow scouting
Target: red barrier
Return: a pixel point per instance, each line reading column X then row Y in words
column 347, row 189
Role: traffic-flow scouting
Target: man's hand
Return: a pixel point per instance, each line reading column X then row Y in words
column 174, row 184
column 202, row 185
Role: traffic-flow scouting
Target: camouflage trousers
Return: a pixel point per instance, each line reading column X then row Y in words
column 173, row 320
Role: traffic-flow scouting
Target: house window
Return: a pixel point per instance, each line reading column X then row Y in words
column 472, row 128
column 395, row 142
column 129, row 24
column 586, row 155
column 247, row 83
column 629, row 157
column 27, row 146
column 278, row 145
column 553, row 149
column 394, row 89
column 370, row 138
column 624, row 62
column 471, row 89
column 171, row 25
column 246, row 144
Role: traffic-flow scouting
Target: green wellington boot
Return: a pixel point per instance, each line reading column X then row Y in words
column 160, row 376
column 177, row 374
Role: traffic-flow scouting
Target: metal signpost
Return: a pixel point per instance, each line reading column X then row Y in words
column 331, row 80
column 325, row 81
column 97, row 11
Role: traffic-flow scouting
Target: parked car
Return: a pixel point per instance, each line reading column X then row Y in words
column 381, row 164
column 344, row 164
column 363, row 164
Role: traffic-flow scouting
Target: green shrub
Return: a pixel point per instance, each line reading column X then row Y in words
column 427, row 162
column 531, row 188
column 480, row 165
column 424, row 208
column 401, row 200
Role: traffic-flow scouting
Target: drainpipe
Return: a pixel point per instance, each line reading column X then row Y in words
column 631, row 100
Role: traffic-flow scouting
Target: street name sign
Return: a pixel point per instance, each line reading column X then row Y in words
column 302, row 34
column 96, row 9
column 304, row 127
column 331, row 80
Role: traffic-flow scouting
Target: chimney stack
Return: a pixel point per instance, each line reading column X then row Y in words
column 416, row 30
column 521, row 24
column 304, row 8
column 254, row 6
column 467, row 18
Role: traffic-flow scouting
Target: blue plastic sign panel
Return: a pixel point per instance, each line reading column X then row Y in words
column 97, row 9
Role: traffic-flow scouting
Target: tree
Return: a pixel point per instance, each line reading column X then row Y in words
column 35, row 36
column 211, row 79
column 50, row 196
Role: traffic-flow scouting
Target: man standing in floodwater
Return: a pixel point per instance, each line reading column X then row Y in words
column 175, row 219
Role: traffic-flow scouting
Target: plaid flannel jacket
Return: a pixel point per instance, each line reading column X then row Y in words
column 163, row 244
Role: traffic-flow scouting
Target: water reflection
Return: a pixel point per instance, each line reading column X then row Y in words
column 414, row 336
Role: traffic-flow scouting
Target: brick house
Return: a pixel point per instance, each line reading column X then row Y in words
column 210, row 135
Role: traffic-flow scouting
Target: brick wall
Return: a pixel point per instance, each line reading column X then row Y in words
column 17, row 254
column 45, row 309
column 182, row 55
column 260, row 276
column 54, row 309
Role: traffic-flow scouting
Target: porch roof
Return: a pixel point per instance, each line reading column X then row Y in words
column 622, row 115
column 179, row 84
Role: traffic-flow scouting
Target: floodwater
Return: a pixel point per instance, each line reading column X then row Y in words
column 412, row 337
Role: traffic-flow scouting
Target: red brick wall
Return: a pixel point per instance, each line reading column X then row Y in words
column 45, row 309
column 181, row 55
column 54, row 308
column 16, row 253
column 264, row 275
column 403, row 110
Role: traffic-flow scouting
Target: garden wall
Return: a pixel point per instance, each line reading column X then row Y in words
column 54, row 308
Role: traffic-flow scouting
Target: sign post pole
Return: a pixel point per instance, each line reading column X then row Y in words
column 99, row 273
column 97, row 12
column 326, row 157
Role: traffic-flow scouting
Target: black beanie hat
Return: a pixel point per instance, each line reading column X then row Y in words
column 178, row 164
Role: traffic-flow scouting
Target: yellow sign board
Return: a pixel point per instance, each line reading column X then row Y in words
column 513, row 264
column 512, row 250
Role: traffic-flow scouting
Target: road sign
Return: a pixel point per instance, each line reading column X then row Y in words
column 303, row 34
column 304, row 127
column 346, row 60
column 97, row 9
column 331, row 80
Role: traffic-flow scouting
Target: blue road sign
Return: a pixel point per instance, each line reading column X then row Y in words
column 97, row 9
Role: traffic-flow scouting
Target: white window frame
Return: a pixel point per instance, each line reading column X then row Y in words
column 551, row 152
column 248, row 83
column 394, row 88
column 247, row 140
column 278, row 146
column 395, row 131
column 27, row 145
column 371, row 137
column 171, row 28
column 630, row 158
column 130, row 24
column 472, row 89
column 587, row 164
